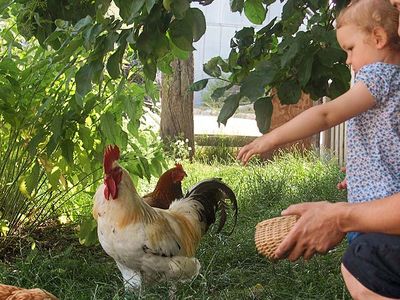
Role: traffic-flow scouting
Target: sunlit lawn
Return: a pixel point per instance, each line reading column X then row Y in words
column 231, row 267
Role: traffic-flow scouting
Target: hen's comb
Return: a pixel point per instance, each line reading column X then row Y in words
column 179, row 167
column 110, row 155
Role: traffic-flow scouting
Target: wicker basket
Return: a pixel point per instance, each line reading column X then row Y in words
column 270, row 233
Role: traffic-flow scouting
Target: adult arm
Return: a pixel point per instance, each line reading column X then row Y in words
column 322, row 225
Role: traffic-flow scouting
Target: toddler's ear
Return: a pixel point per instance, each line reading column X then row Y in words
column 380, row 37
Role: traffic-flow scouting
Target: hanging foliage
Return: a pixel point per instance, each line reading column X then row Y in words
column 290, row 55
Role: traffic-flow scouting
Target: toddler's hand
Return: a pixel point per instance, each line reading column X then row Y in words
column 258, row 146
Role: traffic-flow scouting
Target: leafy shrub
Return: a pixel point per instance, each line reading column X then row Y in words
column 55, row 121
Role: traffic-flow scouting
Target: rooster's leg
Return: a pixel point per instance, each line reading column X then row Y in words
column 172, row 291
column 132, row 279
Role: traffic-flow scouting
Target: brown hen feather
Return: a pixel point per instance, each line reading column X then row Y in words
column 10, row 292
column 168, row 188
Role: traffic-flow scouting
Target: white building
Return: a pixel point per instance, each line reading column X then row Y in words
column 221, row 27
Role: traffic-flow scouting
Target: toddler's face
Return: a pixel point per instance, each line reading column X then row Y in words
column 358, row 45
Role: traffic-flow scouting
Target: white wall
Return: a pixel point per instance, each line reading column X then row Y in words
column 221, row 27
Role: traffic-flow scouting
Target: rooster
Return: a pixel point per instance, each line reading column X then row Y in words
column 168, row 188
column 151, row 244
column 10, row 292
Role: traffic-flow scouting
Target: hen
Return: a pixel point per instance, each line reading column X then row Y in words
column 151, row 244
column 10, row 292
column 168, row 188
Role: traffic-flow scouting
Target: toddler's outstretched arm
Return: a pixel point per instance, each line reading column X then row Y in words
column 315, row 119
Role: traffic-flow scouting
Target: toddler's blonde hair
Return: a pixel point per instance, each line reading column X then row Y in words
column 369, row 14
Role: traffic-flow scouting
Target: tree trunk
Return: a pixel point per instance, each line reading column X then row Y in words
column 177, row 103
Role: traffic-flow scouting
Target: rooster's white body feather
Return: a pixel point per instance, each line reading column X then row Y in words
column 151, row 244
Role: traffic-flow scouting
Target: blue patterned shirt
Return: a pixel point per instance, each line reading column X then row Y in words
column 373, row 143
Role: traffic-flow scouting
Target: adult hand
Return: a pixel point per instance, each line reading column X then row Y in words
column 258, row 146
column 316, row 231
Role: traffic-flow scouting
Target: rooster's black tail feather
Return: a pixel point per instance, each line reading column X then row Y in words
column 212, row 194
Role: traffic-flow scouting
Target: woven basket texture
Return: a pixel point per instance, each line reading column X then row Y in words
column 270, row 233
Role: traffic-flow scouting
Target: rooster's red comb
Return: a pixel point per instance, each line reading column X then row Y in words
column 110, row 155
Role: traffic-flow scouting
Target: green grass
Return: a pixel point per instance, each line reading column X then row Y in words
column 231, row 267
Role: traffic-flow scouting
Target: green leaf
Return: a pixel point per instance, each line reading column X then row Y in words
column 146, row 41
column 4, row 4
column 51, row 145
column 156, row 166
column 87, row 232
column 198, row 85
column 343, row 72
column 337, row 88
column 330, row 56
column 97, row 67
column 56, row 126
column 245, row 37
column 290, row 52
column 267, row 29
column 90, row 35
column 253, row 86
column 101, row 9
column 228, row 109
column 145, row 167
column 219, row 92
column 83, row 79
column 109, row 127
column 128, row 10
column 305, row 69
column 292, row 16
column 289, row 92
column 179, row 8
column 211, row 67
column 54, row 36
column 181, row 34
column 67, row 149
column 23, row 189
column 263, row 109
column 86, row 138
column 150, row 4
column 115, row 61
column 236, row 5
column 35, row 141
column 8, row 66
column 289, row 9
column 135, row 168
column 82, row 23
column 33, row 178
column 70, row 49
column 167, row 5
column 198, row 21
column 164, row 64
column 131, row 106
column 54, row 177
column 61, row 24
column 161, row 46
column 149, row 68
column 255, row 11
